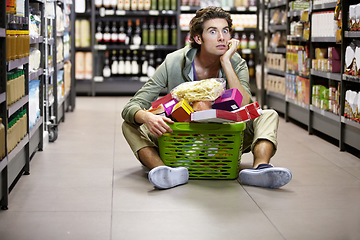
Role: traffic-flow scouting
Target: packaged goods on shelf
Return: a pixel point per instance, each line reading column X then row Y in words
column 2, row 140
column 323, row 24
column 326, row 98
column 50, row 10
column 83, row 66
column 59, row 19
column 277, row 17
column 67, row 44
column 18, row 44
column 34, row 106
column 67, row 76
column 299, row 5
column 316, row 2
column 278, row 39
column 354, row 17
column 327, row 60
column 59, row 50
column 135, row 5
column 352, row 59
column 60, row 85
column 34, row 25
column 82, row 33
column 275, row 84
column 297, row 88
column 352, row 105
column 276, row 61
column 17, row 129
column 34, row 59
column 297, row 59
column 15, row 86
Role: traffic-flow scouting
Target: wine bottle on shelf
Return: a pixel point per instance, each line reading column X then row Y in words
column 144, row 63
column 244, row 41
column 151, row 32
column 106, row 69
column 252, row 42
column 98, row 3
column 113, row 4
column 137, row 35
column 147, row 5
column 173, row 32
column 106, row 3
column 128, row 33
column 114, row 33
column 122, row 34
column 166, row 4
column 107, row 34
column 153, row 4
column 120, row 5
column 128, row 63
column 165, row 31
column 159, row 33
column 135, row 64
column 151, row 67
column 145, row 33
column 141, row 5
column 99, row 34
column 160, row 4
column 114, row 64
column 173, row 5
column 121, row 66
column 134, row 5
column 251, row 66
column 127, row 4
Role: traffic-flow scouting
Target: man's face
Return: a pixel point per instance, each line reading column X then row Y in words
column 215, row 37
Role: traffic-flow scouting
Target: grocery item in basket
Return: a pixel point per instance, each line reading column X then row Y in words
column 181, row 111
column 169, row 106
column 215, row 116
column 202, row 105
column 230, row 100
column 161, row 100
column 157, row 111
column 248, row 112
column 204, row 90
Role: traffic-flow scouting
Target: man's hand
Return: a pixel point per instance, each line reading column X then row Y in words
column 233, row 47
column 155, row 123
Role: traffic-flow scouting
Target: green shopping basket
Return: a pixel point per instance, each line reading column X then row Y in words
column 208, row 150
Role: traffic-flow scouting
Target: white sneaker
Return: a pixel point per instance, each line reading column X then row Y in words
column 265, row 175
column 164, row 177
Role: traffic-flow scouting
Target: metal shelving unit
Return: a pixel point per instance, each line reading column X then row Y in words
column 338, row 127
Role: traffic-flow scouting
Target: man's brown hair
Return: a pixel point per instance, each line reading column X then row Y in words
column 201, row 16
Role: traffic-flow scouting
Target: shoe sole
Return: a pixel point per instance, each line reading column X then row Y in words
column 274, row 177
column 164, row 177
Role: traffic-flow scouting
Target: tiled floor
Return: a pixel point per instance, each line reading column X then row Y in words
column 88, row 185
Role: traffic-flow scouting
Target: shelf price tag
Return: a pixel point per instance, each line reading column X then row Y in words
column 120, row 12
column 185, row 8
column 150, row 47
column 100, row 47
column 226, row 8
column 253, row 9
column 109, row 12
column 134, row 47
column 241, row 9
column 154, row 12
column 98, row 79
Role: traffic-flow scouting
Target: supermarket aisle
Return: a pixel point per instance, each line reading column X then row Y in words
column 88, row 185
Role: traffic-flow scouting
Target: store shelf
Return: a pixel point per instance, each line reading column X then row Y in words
column 36, row 75
column 277, row 50
column 350, row 78
column 350, row 122
column 296, row 73
column 20, row 146
column 36, row 40
column 3, row 163
column 17, row 105
column 276, row 101
column 113, row 13
column 241, row 10
column 324, row 6
column 273, row 28
column 2, row 32
column 296, row 38
column 325, row 122
column 17, row 63
column 294, row 13
column 2, row 97
column 351, row 132
column 352, row 34
column 276, row 72
column 35, row 127
column 328, row 75
column 104, row 47
column 281, row 3
column 327, row 114
column 324, row 39
column 298, row 111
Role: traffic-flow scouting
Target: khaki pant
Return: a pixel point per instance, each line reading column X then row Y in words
column 263, row 127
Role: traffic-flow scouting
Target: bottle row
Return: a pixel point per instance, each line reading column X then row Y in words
column 17, row 44
column 125, row 33
column 137, row 4
column 219, row 3
column 17, row 129
column 2, row 139
column 15, row 7
column 15, row 86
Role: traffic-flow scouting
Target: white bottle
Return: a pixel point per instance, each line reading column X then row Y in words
column 134, row 5
column 140, row 4
column 121, row 66
column 98, row 3
column 145, row 67
column 127, row 4
column 113, row 3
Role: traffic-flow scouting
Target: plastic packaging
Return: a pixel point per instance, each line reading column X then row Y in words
column 204, row 90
